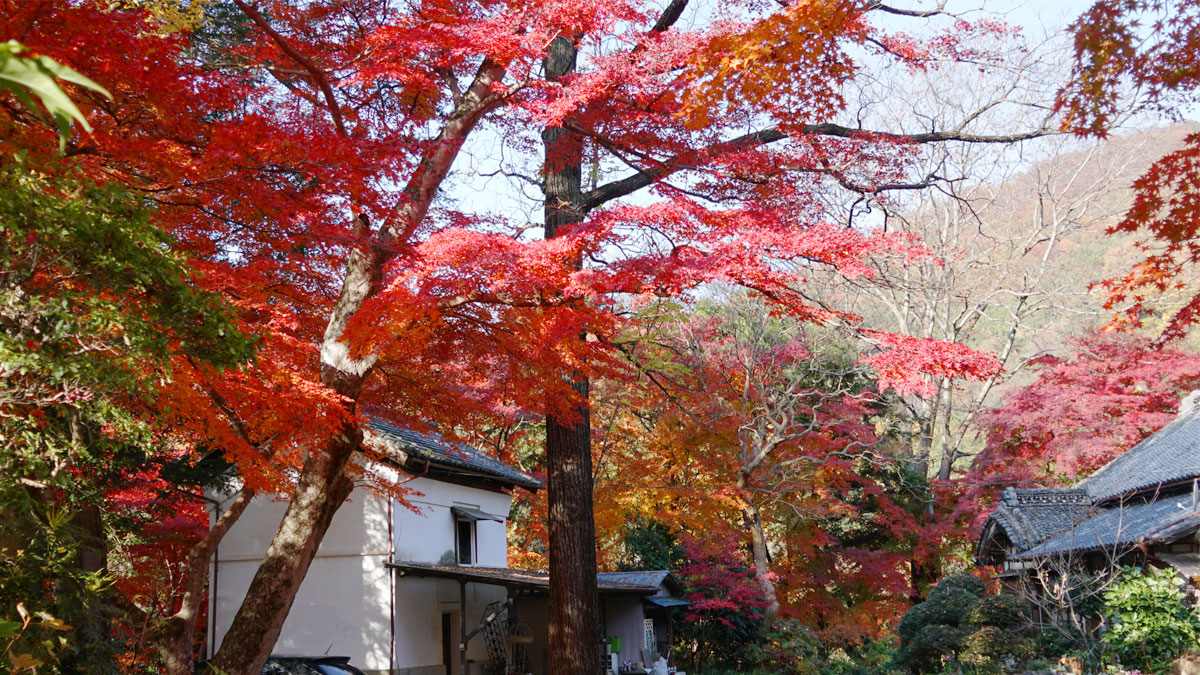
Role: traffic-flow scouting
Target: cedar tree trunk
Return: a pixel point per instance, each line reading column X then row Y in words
column 574, row 619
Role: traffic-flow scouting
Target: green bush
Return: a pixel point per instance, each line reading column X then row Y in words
column 959, row 582
column 990, row 646
column 949, row 608
column 930, row 647
column 998, row 610
column 959, row 620
column 1053, row 644
column 954, row 607
column 1149, row 626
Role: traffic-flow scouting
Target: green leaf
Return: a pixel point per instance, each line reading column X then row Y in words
column 28, row 76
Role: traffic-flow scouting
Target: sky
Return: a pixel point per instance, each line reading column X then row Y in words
column 477, row 187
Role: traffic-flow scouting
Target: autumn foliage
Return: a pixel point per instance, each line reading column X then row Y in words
column 739, row 425
column 299, row 157
column 1141, row 56
column 1084, row 409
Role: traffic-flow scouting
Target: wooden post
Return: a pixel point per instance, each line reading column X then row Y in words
column 462, row 625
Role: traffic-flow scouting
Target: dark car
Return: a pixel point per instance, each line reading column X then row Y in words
column 287, row 664
column 310, row 665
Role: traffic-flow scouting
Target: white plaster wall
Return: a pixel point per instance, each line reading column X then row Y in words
column 343, row 604
column 427, row 535
column 418, row 622
column 346, row 598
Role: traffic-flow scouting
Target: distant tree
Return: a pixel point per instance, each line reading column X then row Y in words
column 727, row 610
column 1083, row 410
column 753, row 428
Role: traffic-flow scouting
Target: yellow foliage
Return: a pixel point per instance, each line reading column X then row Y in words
column 791, row 58
column 170, row 16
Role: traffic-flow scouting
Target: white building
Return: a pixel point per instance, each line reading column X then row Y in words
column 388, row 585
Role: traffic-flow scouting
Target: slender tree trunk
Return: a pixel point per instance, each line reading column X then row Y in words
column 919, row 464
column 321, row 489
column 752, row 519
column 175, row 637
column 574, row 619
column 323, row 485
column 256, row 626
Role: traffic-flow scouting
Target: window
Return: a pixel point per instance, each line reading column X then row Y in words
column 465, row 541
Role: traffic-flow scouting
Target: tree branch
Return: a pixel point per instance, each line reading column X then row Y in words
column 670, row 15
column 317, row 74
column 919, row 13
column 624, row 186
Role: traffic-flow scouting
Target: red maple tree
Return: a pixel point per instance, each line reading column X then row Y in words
column 297, row 151
column 1083, row 410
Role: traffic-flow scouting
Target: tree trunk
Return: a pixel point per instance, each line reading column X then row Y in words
column 320, row 491
column 919, row 464
column 574, row 619
column 174, row 639
column 322, row 485
column 752, row 519
column 256, row 626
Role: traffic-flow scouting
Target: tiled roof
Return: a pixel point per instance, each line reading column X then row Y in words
column 649, row 580
column 1121, row 527
column 607, row 582
column 1170, row 455
column 431, row 447
column 1031, row 516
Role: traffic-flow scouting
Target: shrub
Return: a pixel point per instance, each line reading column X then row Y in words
column 959, row 619
column 998, row 610
column 949, row 608
column 930, row 647
column 954, row 607
column 1053, row 644
column 959, row 582
column 1149, row 625
column 990, row 646
column 917, row 617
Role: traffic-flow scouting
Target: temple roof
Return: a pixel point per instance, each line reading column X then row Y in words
column 1120, row 528
column 1169, row 456
column 1032, row 515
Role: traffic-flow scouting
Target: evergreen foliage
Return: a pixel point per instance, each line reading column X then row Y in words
column 1149, row 624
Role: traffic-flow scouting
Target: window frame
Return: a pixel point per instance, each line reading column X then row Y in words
column 472, row 540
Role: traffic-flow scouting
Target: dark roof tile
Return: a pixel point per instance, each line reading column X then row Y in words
column 1170, row 455
column 1030, row 516
column 1123, row 527
column 433, row 448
